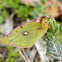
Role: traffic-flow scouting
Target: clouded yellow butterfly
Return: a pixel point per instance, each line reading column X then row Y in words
column 26, row 35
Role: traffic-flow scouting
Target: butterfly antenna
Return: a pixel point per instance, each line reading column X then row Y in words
column 49, row 9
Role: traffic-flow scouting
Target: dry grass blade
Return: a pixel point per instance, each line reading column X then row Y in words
column 33, row 54
column 23, row 56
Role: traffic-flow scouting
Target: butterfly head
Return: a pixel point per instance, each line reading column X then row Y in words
column 44, row 22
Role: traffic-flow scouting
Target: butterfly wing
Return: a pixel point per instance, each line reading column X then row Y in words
column 25, row 36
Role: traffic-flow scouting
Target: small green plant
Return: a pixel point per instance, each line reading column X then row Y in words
column 53, row 45
column 12, row 54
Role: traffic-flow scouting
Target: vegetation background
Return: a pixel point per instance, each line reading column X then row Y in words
column 16, row 12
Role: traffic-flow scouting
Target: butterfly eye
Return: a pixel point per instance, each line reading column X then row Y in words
column 25, row 33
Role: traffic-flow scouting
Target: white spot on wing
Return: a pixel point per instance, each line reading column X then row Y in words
column 25, row 33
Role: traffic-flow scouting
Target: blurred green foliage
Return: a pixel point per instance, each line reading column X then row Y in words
column 1, row 19
column 22, row 10
column 9, row 4
column 59, row 33
column 4, row 14
column 12, row 54
column 39, row 9
column 17, row 8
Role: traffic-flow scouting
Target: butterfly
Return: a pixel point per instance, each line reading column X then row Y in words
column 26, row 35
